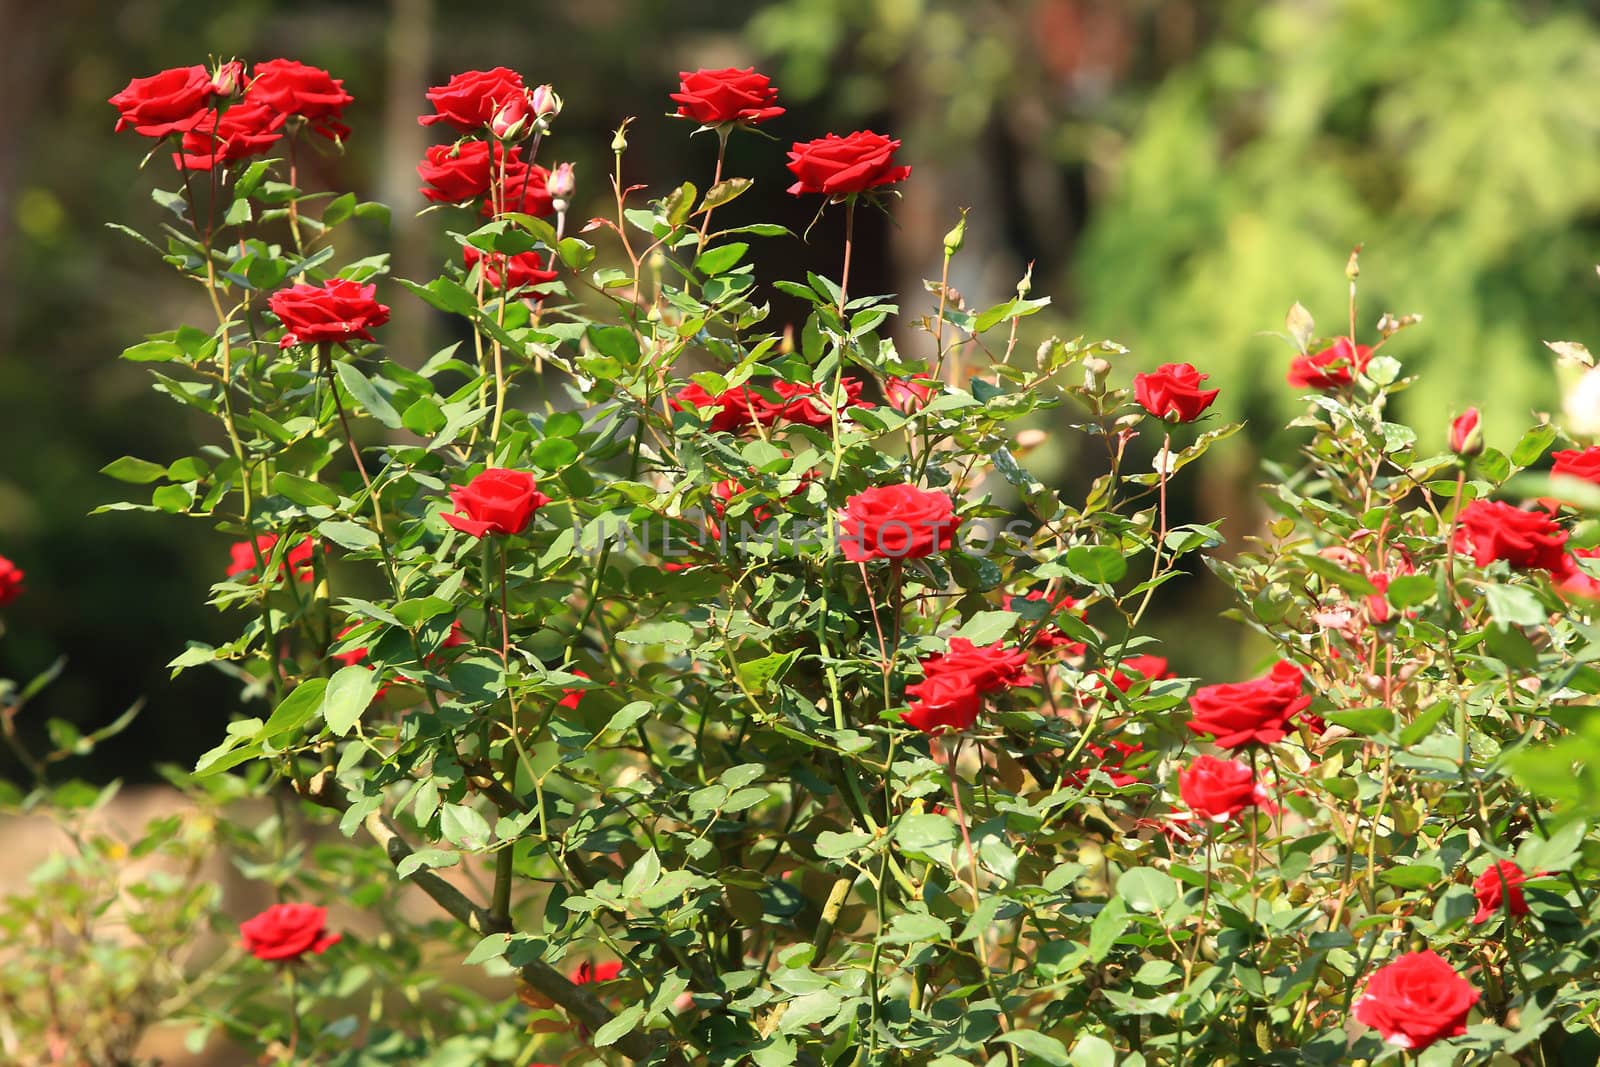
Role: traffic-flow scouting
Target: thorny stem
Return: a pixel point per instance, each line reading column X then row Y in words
column 716, row 179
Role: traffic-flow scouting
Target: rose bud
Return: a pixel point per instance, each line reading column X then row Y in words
column 1466, row 436
column 510, row 121
column 546, row 105
column 228, row 79
column 561, row 185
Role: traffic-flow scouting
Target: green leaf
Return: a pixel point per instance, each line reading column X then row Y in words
column 1423, row 724
column 1092, row 1051
column 339, row 209
column 1365, row 721
column 464, row 826
column 347, row 534
column 424, row 417
column 1145, row 889
column 1533, row 444
column 367, row 395
column 1349, row 581
column 1556, row 853
column 715, row 261
column 1411, row 876
column 137, row 471
column 426, row 857
column 618, row 342
column 350, row 693
column 620, row 1025
column 304, row 491
column 554, row 453
column 724, row 191
column 757, row 674
column 1513, row 605
column 1410, row 590
column 295, row 710
column 923, row 832
column 1097, row 564
column 627, row 716
column 987, row 627
column 671, row 634
column 1047, row 1048
column 153, row 352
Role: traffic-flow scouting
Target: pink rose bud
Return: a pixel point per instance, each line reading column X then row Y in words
column 228, row 79
column 546, row 105
column 561, row 185
column 510, row 120
column 1466, row 436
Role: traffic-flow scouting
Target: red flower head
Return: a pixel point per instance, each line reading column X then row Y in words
column 840, row 166
column 1466, row 437
column 242, row 558
column 986, row 667
column 801, row 403
column 469, row 100
column 1218, row 789
column 296, row 90
column 908, row 395
column 571, row 698
column 335, row 311
column 1499, row 888
column 1574, row 580
column 1051, row 638
column 458, row 173
column 10, row 581
column 526, row 190
column 287, row 932
column 1254, row 712
column 1173, row 392
column 525, row 268
column 1110, row 764
column 496, row 502
column 1528, row 540
column 896, row 522
column 1137, row 668
column 587, row 972
column 943, row 702
column 173, row 101
column 1584, row 465
column 712, row 97
column 735, row 404
column 456, row 637
column 1331, row 368
column 242, row 131
column 1415, row 1000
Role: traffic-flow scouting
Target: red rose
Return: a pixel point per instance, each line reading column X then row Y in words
column 310, row 93
column 1051, row 638
column 571, row 698
column 496, row 501
column 10, row 581
column 287, row 932
column 242, row 131
column 712, row 97
column 587, row 972
column 242, row 558
column 1137, row 668
column 469, row 100
column 457, row 173
column 986, row 667
column 1528, row 540
column 456, row 637
column 839, row 166
column 801, row 403
column 1415, row 1000
column 170, row 102
column 1499, row 888
column 1243, row 713
column 1334, row 366
column 896, row 522
column 1110, row 764
column 1571, row 463
column 335, row 311
column 1218, row 789
column 1173, row 392
column 526, row 190
column 907, row 395
column 943, row 702
column 735, row 404
column 1574, row 580
column 1466, row 438
column 525, row 268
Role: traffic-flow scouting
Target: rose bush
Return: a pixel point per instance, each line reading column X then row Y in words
column 851, row 784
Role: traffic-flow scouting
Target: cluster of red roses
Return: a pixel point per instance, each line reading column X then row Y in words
column 1533, row 539
column 222, row 116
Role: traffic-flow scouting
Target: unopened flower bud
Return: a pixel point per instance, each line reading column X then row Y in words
column 546, row 104
column 510, row 121
column 1025, row 286
column 1095, row 370
column 1466, row 435
column 619, row 142
column 957, row 234
column 228, row 79
column 561, row 185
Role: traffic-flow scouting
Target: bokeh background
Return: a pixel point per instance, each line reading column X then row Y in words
column 1178, row 172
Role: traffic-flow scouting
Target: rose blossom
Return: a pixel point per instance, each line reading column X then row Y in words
column 1499, row 888
column 1415, row 1000
column 1573, row 580
column 10, row 581
column 735, row 404
column 712, row 97
column 841, row 166
column 587, row 972
column 526, row 190
column 1253, row 712
column 985, row 666
column 1218, row 789
column 907, row 395
column 242, row 558
column 1528, row 540
column 1111, row 760
column 1466, row 436
column 1584, row 465
column 525, row 268
column 457, row 173
column 242, row 131
column 296, row 90
column 1142, row 668
column 1051, row 638
column 802, row 403
column 497, row 501
column 287, row 932
column 1173, row 392
column 469, row 100
column 172, row 101
column 896, row 522
column 943, row 702
column 335, row 311
column 1331, row 368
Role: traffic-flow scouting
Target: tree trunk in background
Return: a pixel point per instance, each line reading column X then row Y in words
column 409, row 40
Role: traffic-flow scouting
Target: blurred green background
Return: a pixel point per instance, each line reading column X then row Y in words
column 1179, row 172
